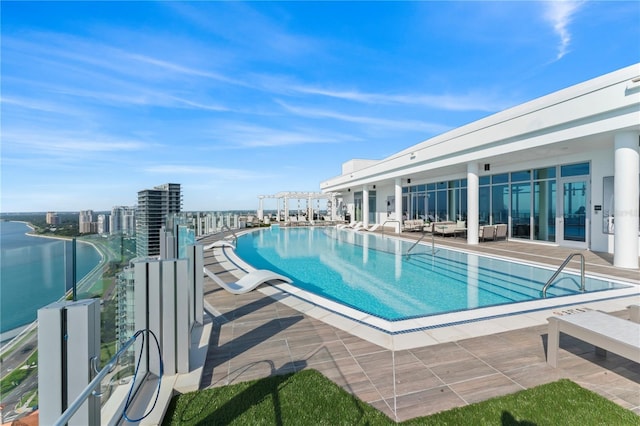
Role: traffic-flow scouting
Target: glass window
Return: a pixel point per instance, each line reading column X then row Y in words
column 431, row 206
column 484, row 180
column 523, row 176
column 463, row 183
column 372, row 206
column 499, row 204
column 521, row 210
column 454, row 183
column 503, row 178
column 544, row 211
column 441, row 205
column 421, row 188
column 441, row 185
column 484, row 201
column 463, row 203
column 547, row 173
column 405, row 190
column 574, row 170
column 431, row 187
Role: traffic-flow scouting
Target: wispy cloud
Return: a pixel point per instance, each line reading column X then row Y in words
column 217, row 172
column 414, row 125
column 560, row 13
column 238, row 135
column 448, row 102
column 70, row 144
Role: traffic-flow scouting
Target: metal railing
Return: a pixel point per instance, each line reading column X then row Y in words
column 391, row 221
column 90, row 389
column 433, row 244
column 565, row 263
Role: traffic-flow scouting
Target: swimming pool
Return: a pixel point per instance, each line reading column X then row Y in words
column 373, row 275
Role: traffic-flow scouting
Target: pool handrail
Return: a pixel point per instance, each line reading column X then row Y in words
column 391, row 221
column 565, row 263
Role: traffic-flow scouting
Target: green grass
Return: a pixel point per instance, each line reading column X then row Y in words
column 308, row 398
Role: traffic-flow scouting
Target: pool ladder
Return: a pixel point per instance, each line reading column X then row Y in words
column 565, row 263
column 433, row 245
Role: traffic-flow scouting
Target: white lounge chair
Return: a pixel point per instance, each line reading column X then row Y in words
column 352, row 225
column 371, row 228
column 220, row 243
column 249, row 282
column 606, row 332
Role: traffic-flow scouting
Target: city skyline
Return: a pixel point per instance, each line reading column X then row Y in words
column 234, row 100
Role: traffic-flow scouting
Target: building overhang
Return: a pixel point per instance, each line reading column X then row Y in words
column 572, row 120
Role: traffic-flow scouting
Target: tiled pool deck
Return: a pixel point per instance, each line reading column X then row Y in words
column 256, row 335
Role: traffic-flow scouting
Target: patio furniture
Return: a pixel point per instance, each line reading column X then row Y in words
column 249, row 282
column 501, row 231
column 487, row 232
column 606, row 332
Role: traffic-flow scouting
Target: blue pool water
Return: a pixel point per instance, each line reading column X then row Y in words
column 372, row 274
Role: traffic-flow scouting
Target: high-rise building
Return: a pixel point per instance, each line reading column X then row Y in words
column 85, row 219
column 53, row 218
column 154, row 206
column 103, row 224
column 122, row 220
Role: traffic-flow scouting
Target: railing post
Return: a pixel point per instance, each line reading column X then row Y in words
column 68, row 337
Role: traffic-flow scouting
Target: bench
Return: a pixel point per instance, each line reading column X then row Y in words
column 606, row 332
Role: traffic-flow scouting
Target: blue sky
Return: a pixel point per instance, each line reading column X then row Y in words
column 233, row 100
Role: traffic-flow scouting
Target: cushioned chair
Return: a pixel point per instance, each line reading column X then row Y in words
column 487, row 232
column 501, row 231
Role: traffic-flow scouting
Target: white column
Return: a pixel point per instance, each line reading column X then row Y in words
column 286, row 210
column 398, row 202
column 625, row 193
column 310, row 209
column 473, row 203
column 332, row 213
column 365, row 206
column 260, row 208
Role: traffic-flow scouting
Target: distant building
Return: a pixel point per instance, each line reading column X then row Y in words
column 85, row 220
column 154, row 206
column 103, row 224
column 122, row 220
column 53, row 218
column 125, row 326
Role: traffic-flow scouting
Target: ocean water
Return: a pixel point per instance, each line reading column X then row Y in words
column 32, row 272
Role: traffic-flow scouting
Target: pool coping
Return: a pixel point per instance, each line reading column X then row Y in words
column 440, row 328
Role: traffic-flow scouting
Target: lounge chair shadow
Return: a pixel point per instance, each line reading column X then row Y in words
column 508, row 420
column 217, row 355
column 246, row 399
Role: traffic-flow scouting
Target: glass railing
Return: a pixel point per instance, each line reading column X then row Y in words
column 38, row 271
column 207, row 222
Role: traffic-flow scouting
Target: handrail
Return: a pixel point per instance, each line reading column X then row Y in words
column 566, row 261
column 90, row 389
column 391, row 221
column 233, row 233
column 415, row 244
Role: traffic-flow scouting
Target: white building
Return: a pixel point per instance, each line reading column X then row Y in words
column 103, row 224
column 85, row 218
column 563, row 169
column 122, row 220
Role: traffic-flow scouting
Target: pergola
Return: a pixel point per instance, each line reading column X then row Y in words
column 287, row 196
